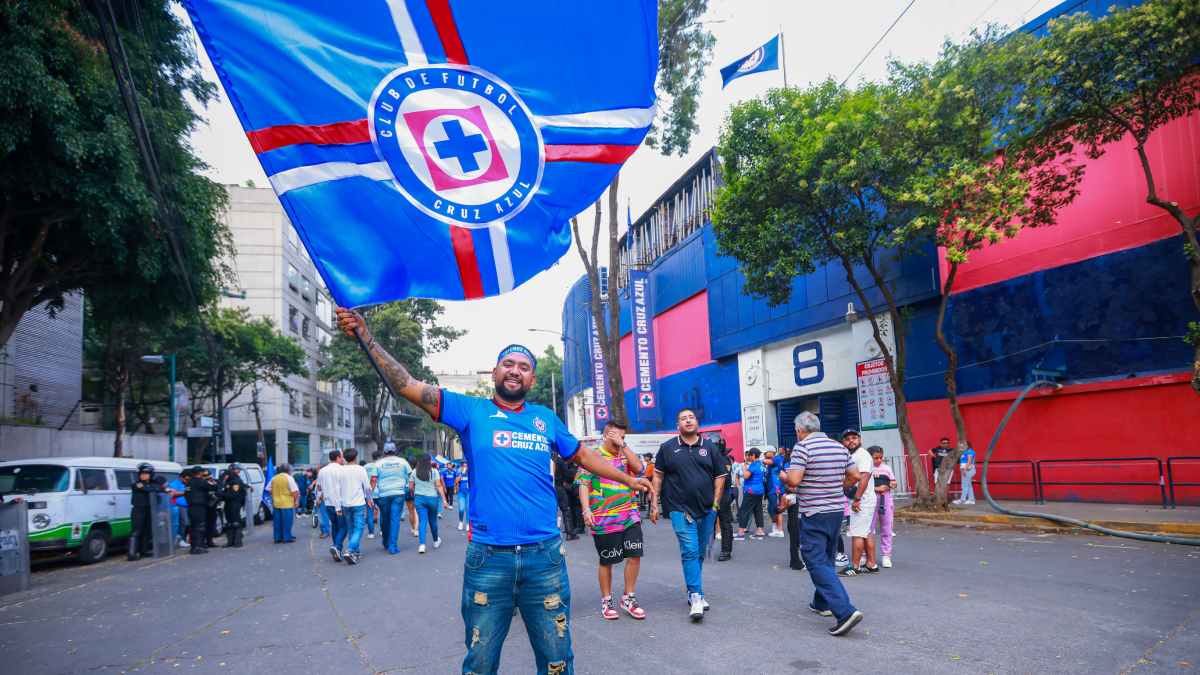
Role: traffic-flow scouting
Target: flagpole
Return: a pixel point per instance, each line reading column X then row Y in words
column 783, row 56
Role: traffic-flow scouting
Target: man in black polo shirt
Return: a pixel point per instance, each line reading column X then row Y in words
column 690, row 475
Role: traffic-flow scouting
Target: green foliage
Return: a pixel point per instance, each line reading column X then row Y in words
column 548, row 363
column 1091, row 81
column 808, row 179
column 975, row 177
column 1193, row 334
column 244, row 350
column 77, row 213
column 684, row 53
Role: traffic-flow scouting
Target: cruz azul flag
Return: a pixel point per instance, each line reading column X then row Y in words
column 760, row 60
column 643, row 346
column 599, row 378
column 435, row 148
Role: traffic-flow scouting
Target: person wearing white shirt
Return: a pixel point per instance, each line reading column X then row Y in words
column 354, row 498
column 327, row 483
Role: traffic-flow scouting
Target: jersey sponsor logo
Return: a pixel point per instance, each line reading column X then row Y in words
column 502, row 439
column 460, row 143
column 540, row 424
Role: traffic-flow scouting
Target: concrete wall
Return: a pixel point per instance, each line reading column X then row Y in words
column 18, row 442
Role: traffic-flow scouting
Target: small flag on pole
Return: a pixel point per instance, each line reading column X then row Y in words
column 760, row 60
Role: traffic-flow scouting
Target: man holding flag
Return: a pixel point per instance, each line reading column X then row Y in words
column 515, row 556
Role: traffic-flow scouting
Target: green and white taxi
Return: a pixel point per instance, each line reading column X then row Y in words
column 77, row 505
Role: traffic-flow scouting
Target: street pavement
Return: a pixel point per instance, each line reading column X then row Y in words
column 958, row 601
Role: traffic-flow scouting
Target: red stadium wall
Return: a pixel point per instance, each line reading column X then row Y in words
column 685, row 328
column 1110, row 214
column 1154, row 417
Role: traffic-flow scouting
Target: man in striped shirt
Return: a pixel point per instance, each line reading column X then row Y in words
column 820, row 468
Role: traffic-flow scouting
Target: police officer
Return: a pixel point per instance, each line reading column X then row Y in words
column 233, row 493
column 141, row 538
column 201, row 490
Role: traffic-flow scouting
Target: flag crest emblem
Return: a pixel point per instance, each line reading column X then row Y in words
column 459, row 142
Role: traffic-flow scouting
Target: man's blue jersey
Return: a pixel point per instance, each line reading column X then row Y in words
column 510, row 467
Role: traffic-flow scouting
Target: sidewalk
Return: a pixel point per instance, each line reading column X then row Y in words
column 1183, row 520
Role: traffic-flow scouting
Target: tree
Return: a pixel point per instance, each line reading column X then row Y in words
column 685, row 49
column 547, row 389
column 410, row 331
column 240, row 352
column 809, row 180
column 77, row 212
column 1095, row 82
column 949, row 119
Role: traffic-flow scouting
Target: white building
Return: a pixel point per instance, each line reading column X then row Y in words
column 279, row 281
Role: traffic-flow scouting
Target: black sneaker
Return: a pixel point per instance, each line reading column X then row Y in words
column 844, row 627
column 722, row 557
column 337, row 555
column 849, row 571
column 871, row 570
column 351, row 558
column 821, row 612
column 799, row 567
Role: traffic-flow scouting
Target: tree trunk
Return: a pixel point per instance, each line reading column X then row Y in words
column 1191, row 243
column 609, row 344
column 122, row 376
column 262, row 439
column 612, row 348
column 942, row 489
column 895, row 365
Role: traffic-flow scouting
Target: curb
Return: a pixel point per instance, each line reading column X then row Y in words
column 1003, row 521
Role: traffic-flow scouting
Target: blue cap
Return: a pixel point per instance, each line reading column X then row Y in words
column 518, row 349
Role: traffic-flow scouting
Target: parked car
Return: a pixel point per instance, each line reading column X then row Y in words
column 78, row 506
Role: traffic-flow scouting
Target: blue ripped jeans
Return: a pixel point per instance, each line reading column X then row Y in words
column 531, row 578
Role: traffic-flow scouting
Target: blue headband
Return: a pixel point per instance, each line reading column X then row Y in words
column 518, row 349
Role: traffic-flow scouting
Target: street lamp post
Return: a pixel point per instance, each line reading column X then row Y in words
column 169, row 359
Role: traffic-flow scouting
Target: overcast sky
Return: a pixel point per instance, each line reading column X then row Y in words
column 821, row 40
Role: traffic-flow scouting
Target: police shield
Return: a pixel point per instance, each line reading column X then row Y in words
column 248, row 509
column 161, row 528
column 14, row 547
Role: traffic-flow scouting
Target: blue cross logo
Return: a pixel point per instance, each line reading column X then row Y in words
column 460, row 146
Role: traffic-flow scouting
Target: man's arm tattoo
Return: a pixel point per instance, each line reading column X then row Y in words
column 397, row 375
column 430, row 395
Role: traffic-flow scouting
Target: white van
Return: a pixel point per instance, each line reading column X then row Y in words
column 254, row 477
column 77, row 505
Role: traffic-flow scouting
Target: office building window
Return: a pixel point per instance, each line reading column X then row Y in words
column 324, row 310
column 294, row 319
column 307, row 406
column 293, row 405
column 293, row 277
column 306, row 328
column 306, row 290
column 292, row 237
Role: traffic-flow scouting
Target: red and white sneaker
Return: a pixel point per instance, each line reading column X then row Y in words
column 606, row 609
column 630, row 604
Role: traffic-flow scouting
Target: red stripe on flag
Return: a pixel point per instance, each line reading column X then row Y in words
column 443, row 20
column 468, row 266
column 337, row 133
column 596, row 154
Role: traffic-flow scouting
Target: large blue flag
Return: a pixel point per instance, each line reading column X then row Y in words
column 435, row 148
column 762, row 59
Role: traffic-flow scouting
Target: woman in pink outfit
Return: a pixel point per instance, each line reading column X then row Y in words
column 885, row 483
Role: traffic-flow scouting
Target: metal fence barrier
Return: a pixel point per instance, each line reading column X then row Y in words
column 1171, row 482
column 1161, row 483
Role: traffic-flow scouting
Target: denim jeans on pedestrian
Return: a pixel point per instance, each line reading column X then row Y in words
column 462, row 507
column 282, row 522
column 693, row 536
column 178, row 522
column 968, row 490
column 427, row 510
column 338, row 526
column 531, row 578
column 323, row 517
column 391, row 512
column 370, row 519
column 818, row 546
column 355, row 521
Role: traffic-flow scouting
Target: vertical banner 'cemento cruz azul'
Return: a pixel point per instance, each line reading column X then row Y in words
column 643, row 346
column 599, row 379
